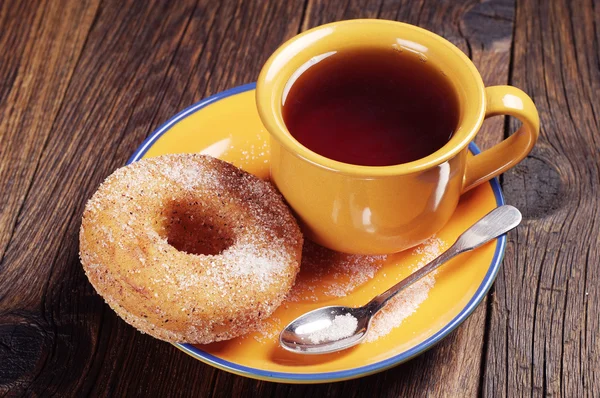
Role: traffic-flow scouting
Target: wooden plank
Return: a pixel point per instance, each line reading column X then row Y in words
column 225, row 47
column 544, row 320
column 41, row 42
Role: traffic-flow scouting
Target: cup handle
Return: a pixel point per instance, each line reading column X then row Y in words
column 504, row 100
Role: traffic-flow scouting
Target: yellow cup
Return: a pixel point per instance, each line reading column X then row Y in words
column 386, row 209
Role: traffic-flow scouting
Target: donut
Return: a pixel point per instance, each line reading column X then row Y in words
column 189, row 248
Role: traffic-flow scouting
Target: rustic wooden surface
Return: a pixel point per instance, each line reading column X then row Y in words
column 82, row 83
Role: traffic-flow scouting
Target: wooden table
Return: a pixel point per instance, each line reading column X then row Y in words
column 82, row 83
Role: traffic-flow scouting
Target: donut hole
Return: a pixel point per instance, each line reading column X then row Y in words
column 192, row 229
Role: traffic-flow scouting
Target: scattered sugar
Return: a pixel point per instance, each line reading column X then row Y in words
column 254, row 151
column 267, row 330
column 338, row 274
column 407, row 302
column 431, row 248
column 342, row 326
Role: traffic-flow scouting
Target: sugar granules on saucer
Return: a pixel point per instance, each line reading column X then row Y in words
column 257, row 151
column 408, row 301
column 342, row 272
column 267, row 329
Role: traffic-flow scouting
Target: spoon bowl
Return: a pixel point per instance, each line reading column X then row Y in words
column 316, row 333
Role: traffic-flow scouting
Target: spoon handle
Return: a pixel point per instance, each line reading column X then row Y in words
column 497, row 222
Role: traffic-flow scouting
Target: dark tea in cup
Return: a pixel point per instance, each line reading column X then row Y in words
column 371, row 107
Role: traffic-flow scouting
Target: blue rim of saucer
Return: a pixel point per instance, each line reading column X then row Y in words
column 323, row 377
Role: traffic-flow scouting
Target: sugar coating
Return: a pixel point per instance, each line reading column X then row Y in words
column 173, row 294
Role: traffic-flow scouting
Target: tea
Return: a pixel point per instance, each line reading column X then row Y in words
column 372, row 107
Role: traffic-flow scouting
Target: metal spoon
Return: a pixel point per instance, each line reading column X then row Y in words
column 308, row 334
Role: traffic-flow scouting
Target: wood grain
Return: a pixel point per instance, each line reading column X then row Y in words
column 545, row 318
column 39, row 55
column 83, row 83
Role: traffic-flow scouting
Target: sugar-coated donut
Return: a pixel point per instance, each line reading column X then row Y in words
column 189, row 248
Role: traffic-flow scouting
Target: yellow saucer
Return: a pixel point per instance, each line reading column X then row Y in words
column 227, row 126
